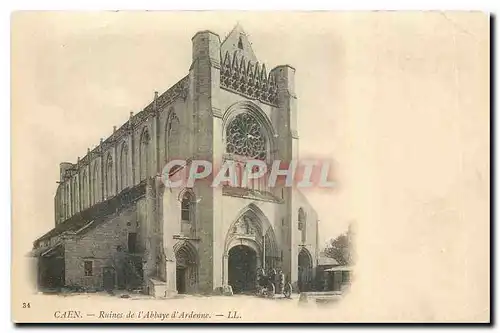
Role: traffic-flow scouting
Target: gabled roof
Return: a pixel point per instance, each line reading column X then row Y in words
column 47, row 251
column 87, row 219
column 237, row 41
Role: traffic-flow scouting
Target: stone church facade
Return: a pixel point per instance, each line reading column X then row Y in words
column 118, row 227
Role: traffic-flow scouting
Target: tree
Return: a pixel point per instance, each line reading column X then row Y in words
column 340, row 248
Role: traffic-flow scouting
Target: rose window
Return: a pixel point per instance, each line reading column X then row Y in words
column 244, row 137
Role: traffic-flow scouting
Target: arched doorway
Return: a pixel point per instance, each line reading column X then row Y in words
column 186, row 269
column 304, row 271
column 242, row 266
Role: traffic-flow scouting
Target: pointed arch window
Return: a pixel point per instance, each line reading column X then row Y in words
column 302, row 224
column 123, row 166
column 66, row 201
column 59, row 207
column 77, row 194
column 74, row 201
column 144, row 155
column 186, row 207
column 240, row 43
column 84, row 190
column 109, row 177
column 172, row 137
column 96, row 184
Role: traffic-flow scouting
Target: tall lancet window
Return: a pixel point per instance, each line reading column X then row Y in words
column 245, row 137
column 109, row 177
column 144, row 155
column 240, row 43
column 302, row 225
column 74, row 197
column 84, row 190
column 187, row 207
column 96, row 183
column 172, row 138
column 124, row 166
column 68, row 201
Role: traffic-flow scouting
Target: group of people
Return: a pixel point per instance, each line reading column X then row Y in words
column 274, row 276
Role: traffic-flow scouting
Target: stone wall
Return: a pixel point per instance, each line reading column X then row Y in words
column 99, row 246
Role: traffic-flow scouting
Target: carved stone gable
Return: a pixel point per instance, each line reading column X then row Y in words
column 244, row 226
column 249, row 79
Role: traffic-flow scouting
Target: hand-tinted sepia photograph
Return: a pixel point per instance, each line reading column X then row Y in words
column 250, row 167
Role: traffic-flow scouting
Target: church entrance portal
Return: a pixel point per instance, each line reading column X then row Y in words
column 186, row 270
column 180, row 275
column 242, row 265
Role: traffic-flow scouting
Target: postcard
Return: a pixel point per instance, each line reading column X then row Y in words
column 250, row 167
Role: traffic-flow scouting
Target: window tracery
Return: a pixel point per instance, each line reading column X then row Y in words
column 245, row 137
column 144, row 166
column 186, row 207
column 109, row 176
column 302, row 225
column 172, row 137
column 124, row 166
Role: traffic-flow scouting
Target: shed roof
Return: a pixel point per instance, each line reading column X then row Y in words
column 82, row 221
column 338, row 268
column 326, row 261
